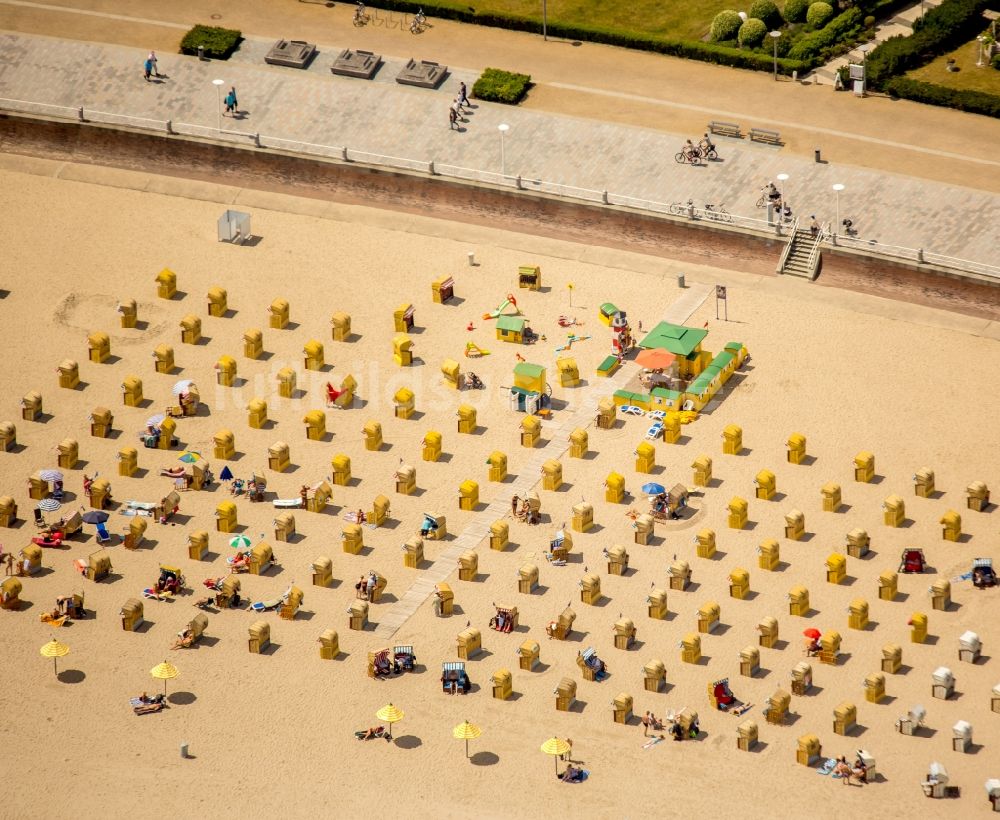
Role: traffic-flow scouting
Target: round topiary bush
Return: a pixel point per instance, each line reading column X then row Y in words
column 819, row 14
column 725, row 26
column 752, row 33
column 767, row 11
column 795, row 11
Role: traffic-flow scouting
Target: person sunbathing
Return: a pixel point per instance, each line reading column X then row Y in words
column 240, row 562
column 842, row 770
column 572, row 774
column 813, row 647
column 184, row 640
column 371, row 733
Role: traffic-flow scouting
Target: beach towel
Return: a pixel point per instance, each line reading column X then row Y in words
column 827, row 767
column 287, row 502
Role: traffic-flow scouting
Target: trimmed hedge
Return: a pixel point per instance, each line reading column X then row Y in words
column 995, row 62
column 725, row 26
column 766, row 11
column 942, row 29
column 690, row 49
column 795, row 11
column 818, row 14
column 976, row 102
column 219, row 43
column 752, row 33
column 811, row 46
column 496, row 85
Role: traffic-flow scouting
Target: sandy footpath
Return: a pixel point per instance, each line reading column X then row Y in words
column 272, row 734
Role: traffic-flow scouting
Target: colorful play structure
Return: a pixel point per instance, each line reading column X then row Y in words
column 474, row 351
column 510, row 301
column 704, row 372
column 622, row 340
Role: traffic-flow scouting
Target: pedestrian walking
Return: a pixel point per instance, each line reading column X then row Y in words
column 147, row 69
column 457, row 108
column 230, row 101
column 452, row 119
column 814, row 226
column 152, row 60
column 463, row 95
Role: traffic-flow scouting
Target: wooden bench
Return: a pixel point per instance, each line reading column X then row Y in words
column 725, row 129
column 763, row 135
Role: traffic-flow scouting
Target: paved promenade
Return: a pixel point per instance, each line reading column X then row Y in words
column 385, row 118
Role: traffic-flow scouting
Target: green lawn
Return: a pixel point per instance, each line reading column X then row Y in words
column 968, row 76
column 679, row 20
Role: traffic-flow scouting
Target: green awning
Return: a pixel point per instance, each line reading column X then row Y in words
column 679, row 340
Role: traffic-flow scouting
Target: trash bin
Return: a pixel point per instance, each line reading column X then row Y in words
column 201, row 52
column 680, row 280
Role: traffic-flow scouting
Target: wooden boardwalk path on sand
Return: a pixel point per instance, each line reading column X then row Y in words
column 679, row 312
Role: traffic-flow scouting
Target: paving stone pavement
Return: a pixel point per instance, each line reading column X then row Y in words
column 558, row 442
column 382, row 117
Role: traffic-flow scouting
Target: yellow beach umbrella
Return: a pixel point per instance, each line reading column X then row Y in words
column 390, row 714
column 55, row 650
column 466, row 731
column 555, row 746
column 164, row 671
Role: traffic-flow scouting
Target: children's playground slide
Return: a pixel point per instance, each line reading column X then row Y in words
column 510, row 301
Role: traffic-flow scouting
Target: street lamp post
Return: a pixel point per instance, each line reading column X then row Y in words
column 218, row 108
column 838, row 187
column 979, row 53
column 545, row 21
column 503, row 128
column 775, row 35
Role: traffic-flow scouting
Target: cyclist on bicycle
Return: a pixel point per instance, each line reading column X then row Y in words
column 706, row 144
column 691, row 151
column 773, row 194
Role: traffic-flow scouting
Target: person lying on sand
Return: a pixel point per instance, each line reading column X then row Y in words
column 371, row 733
column 184, row 640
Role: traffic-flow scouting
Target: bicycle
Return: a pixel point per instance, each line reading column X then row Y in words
column 765, row 197
column 707, row 150
column 418, row 23
column 361, row 16
column 682, row 208
column 684, row 156
column 718, row 213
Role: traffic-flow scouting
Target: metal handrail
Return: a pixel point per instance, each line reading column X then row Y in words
column 812, row 263
column 788, row 246
column 872, row 247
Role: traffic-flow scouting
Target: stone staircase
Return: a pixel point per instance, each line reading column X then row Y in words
column 529, row 475
column 802, row 256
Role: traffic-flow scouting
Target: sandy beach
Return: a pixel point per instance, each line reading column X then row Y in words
column 273, row 733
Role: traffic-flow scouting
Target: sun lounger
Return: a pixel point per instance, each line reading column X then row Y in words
column 176, row 472
column 656, row 415
column 149, row 592
column 631, row 410
column 655, row 431
column 292, row 503
column 140, row 505
column 274, row 603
